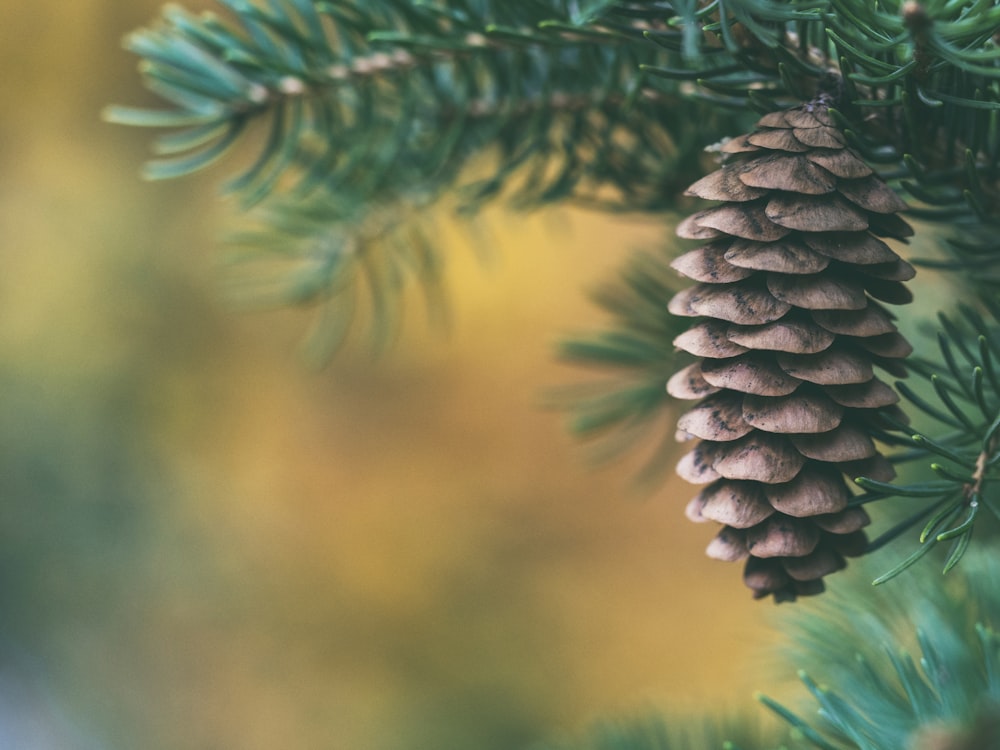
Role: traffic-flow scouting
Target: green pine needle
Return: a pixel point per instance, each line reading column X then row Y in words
column 885, row 697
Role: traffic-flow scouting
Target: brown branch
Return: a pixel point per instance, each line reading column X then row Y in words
column 973, row 489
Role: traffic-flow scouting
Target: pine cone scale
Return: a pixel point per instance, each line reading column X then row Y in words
column 783, row 172
column 793, row 335
column 779, row 257
column 816, row 213
column 755, row 373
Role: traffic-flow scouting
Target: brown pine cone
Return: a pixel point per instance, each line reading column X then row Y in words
column 788, row 335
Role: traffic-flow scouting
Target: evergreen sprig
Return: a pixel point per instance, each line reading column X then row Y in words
column 377, row 95
column 366, row 105
column 947, row 695
column 918, row 78
column 383, row 101
column 968, row 201
column 638, row 353
column 349, row 262
column 959, row 407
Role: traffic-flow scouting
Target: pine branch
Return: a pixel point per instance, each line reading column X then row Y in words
column 947, row 696
column 920, row 85
column 424, row 86
column 918, row 78
column 959, row 402
column 374, row 100
column 637, row 351
column 373, row 104
column 348, row 261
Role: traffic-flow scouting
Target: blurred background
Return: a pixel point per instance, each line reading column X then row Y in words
column 205, row 543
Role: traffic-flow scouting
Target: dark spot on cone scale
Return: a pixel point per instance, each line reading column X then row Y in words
column 719, row 417
column 792, row 334
column 847, row 521
column 729, row 545
column 725, row 185
column 871, row 194
column 690, row 383
column 788, row 331
column 818, row 489
column 877, row 467
column 816, row 213
column 851, row 247
column 708, row 264
column 840, row 162
column 820, row 562
column 818, row 292
column 801, row 412
column 871, row 395
column 872, row 321
column 781, row 257
column 821, row 137
column 696, row 466
column 889, row 225
column 777, row 140
column 738, row 145
column 899, row 270
column 756, row 373
column 787, row 172
column 747, row 220
column 709, row 339
column 739, row 505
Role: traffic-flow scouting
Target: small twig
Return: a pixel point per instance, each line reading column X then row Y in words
column 974, row 488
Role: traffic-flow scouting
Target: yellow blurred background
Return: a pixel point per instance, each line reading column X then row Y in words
column 204, row 543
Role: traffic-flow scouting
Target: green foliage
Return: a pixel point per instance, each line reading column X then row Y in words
column 379, row 95
column 887, row 697
column 960, row 434
column 386, row 102
column 367, row 105
column 923, row 74
column 967, row 200
column 639, row 354
column 343, row 259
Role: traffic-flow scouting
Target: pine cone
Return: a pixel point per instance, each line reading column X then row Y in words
column 789, row 333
